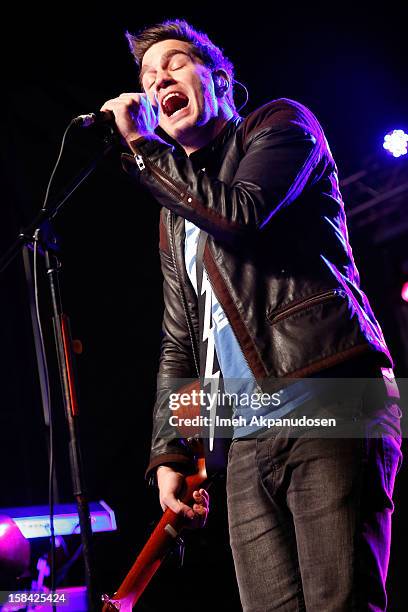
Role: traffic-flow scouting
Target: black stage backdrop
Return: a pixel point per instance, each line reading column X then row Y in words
column 347, row 63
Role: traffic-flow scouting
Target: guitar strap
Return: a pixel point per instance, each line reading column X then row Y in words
column 216, row 437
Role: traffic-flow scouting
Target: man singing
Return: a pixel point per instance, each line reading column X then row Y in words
column 254, row 204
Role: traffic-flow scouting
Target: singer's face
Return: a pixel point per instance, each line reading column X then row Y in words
column 182, row 88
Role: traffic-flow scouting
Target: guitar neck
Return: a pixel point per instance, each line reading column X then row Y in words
column 155, row 549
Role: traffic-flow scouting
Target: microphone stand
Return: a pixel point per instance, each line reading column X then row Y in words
column 63, row 343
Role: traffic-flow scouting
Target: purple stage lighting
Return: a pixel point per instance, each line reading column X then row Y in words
column 395, row 143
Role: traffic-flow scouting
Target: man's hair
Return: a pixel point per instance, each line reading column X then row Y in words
column 201, row 47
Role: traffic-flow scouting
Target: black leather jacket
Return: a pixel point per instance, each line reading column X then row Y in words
column 278, row 256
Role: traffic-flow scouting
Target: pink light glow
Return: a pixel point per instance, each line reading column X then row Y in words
column 404, row 292
column 3, row 529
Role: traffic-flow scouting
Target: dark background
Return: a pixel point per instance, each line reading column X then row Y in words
column 347, row 62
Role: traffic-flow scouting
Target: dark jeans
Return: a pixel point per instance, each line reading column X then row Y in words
column 310, row 517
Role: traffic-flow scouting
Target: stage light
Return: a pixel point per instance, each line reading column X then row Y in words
column 395, row 143
column 14, row 549
column 404, row 292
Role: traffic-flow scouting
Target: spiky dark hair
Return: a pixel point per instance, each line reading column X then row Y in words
column 201, row 47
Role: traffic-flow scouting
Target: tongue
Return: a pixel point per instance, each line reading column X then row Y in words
column 174, row 104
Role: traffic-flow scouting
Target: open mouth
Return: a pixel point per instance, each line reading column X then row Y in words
column 174, row 102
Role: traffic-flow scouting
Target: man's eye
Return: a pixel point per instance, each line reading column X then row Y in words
column 177, row 65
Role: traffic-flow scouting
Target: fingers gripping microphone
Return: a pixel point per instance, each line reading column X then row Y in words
column 98, row 118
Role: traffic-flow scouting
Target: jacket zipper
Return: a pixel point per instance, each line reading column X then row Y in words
column 319, row 298
column 161, row 178
column 183, row 298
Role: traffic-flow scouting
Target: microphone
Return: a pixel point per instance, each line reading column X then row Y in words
column 98, row 118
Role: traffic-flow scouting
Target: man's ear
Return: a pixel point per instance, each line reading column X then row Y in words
column 221, row 83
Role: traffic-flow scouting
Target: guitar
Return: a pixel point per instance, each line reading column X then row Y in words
column 166, row 531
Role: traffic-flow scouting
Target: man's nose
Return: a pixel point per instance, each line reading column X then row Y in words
column 163, row 80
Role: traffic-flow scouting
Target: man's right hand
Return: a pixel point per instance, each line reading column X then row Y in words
column 170, row 483
column 134, row 115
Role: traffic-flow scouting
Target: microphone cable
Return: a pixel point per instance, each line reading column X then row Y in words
column 51, row 500
column 50, row 415
column 47, row 193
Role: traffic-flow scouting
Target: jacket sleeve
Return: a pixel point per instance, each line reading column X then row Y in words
column 283, row 147
column 176, row 365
